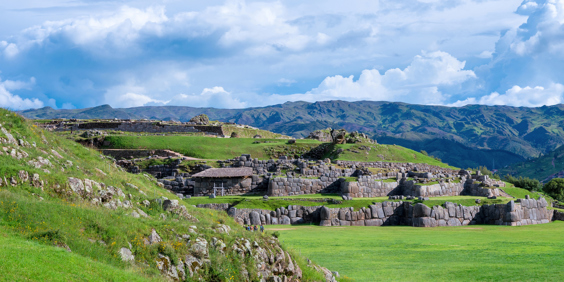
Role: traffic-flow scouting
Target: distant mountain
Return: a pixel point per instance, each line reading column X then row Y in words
column 544, row 168
column 524, row 132
column 452, row 152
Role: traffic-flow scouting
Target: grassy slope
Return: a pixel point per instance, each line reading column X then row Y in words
column 205, row 147
column 64, row 218
column 386, row 153
column 250, row 133
column 21, row 259
column 226, row 148
column 471, row 253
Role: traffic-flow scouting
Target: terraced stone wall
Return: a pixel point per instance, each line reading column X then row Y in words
column 150, row 127
column 522, row 212
column 289, row 186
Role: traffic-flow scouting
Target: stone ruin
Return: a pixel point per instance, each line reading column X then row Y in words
column 515, row 213
column 339, row 136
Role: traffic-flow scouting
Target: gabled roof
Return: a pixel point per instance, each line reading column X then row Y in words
column 225, row 172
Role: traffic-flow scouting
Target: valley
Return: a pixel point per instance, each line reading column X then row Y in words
column 168, row 200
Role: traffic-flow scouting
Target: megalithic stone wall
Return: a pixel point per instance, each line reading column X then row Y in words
column 523, row 212
column 282, row 186
column 367, row 187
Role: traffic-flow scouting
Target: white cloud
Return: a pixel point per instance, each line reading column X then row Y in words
column 286, row 82
column 247, row 46
column 129, row 95
column 130, row 99
column 417, row 83
column 117, row 30
column 485, row 55
column 215, row 97
column 521, row 97
column 15, row 102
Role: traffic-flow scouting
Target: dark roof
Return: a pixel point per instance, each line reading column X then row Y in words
column 225, row 172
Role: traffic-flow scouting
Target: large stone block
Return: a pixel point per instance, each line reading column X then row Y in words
column 324, row 213
column 373, row 222
column 421, row 210
column 285, row 220
column 325, row 223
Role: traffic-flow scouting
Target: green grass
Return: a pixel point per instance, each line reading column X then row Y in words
column 62, row 217
column 389, row 180
column 470, row 253
column 209, row 147
column 225, row 148
column 256, row 202
column 380, row 152
column 24, row 260
column 250, row 133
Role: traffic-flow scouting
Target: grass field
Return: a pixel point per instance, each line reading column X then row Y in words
column 470, row 253
column 24, row 260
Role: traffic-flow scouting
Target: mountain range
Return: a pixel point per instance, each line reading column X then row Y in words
column 462, row 136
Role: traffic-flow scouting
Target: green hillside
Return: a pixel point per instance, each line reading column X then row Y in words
column 542, row 168
column 42, row 207
column 457, row 154
column 526, row 132
column 227, row 148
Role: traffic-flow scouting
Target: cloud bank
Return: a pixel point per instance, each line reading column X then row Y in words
column 234, row 54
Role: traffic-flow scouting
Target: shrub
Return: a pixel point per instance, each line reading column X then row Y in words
column 525, row 183
column 555, row 188
column 276, row 234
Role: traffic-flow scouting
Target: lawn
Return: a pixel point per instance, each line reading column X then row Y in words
column 468, row 253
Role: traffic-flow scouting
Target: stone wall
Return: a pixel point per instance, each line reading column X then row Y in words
column 411, row 188
column 134, row 154
column 369, row 187
column 374, row 186
column 291, row 215
column 233, row 186
column 522, row 212
column 289, row 186
column 151, row 127
column 401, row 167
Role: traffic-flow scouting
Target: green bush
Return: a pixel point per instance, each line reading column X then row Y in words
column 555, row 188
column 525, row 183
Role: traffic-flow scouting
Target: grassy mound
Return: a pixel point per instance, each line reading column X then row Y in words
column 226, row 148
column 41, row 210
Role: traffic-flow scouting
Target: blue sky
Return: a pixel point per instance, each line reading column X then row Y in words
column 235, row 54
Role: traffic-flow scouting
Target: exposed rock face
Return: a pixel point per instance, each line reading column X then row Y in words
column 167, row 269
column 154, row 237
column 200, row 119
column 126, row 255
column 200, row 248
column 339, row 136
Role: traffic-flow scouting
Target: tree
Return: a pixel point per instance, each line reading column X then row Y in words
column 525, row 183
column 555, row 188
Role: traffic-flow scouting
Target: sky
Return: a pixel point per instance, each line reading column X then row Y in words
column 237, row 54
